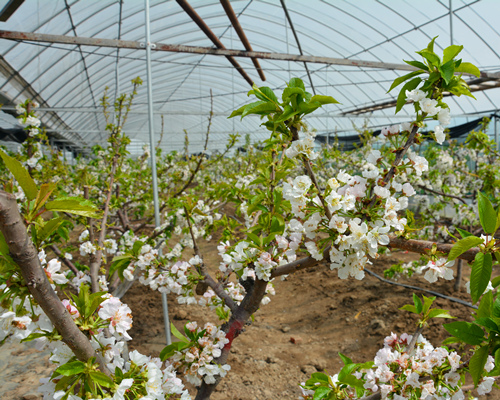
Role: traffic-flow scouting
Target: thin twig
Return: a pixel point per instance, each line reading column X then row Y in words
column 441, row 193
column 64, row 260
column 437, row 294
column 207, row 279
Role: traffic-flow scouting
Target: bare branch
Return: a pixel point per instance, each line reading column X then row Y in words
column 441, row 193
column 64, row 260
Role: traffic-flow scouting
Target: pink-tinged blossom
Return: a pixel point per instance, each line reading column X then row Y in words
column 73, row 311
column 119, row 315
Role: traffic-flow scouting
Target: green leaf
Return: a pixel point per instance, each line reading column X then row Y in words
column 410, row 308
column 438, row 313
column 48, row 229
column 402, row 94
column 21, row 174
column 318, row 377
column 496, row 308
column 465, row 331
column 290, row 91
column 468, row 68
column 418, row 303
column 288, row 113
column 451, row 340
column 297, row 82
column 463, row 245
column 177, row 334
column 427, row 303
column 447, row 70
column 43, row 194
column 259, row 107
column 71, row 368
column 401, row 79
column 346, row 360
column 74, row 205
column 170, row 350
column 451, row 52
column 463, row 233
column 430, row 46
column 237, row 112
column 485, row 306
column 487, row 323
column 477, row 363
column 487, row 214
column 321, row 392
column 101, row 379
column 323, row 99
column 496, row 371
column 480, row 275
column 263, row 93
column 4, row 250
column 431, row 57
column 417, row 64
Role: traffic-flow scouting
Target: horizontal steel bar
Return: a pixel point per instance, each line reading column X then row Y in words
column 128, row 44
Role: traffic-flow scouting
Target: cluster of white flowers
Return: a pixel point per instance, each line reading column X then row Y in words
column 438, row 269
column 431, row 108
column 196, row 360
column 36, row 156
column 426, row 373
column 303, row 146
column 354, row 239
column 118, row 314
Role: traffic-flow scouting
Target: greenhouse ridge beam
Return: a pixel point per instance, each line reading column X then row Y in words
column 176, row 48
column 215, row 40
column 241, row 33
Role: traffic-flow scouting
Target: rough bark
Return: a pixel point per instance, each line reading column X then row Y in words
column 25, row 255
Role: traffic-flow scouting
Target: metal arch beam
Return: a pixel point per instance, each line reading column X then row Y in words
column 24, row 87
column 215, row 40
column 128, row 44
column 298, row 42
column 241, row 33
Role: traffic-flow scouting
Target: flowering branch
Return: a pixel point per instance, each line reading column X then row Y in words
column 23, row 252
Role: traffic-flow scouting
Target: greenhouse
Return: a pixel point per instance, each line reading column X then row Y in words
column 249, row 199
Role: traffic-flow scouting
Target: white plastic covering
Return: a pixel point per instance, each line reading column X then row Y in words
column 72, row 79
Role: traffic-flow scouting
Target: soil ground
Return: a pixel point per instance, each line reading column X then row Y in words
column 313, row 316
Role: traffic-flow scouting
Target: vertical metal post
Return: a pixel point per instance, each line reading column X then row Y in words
column 153, row 155
column 495, row 122
column 451, row 21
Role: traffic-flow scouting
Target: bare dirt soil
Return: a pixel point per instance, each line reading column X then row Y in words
column 313, row 316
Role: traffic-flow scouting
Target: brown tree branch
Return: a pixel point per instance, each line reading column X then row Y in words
column 65, row 261
column 24, row 253
column 441, row 193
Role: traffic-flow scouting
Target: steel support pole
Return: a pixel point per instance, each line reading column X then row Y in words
column 153, row 155
column 495, row 121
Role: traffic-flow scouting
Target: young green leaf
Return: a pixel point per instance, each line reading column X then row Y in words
column 438, row 313
column 463, row 233
column 468, row 68
column 487, row 214
column 101, row 379
column 21, row 174
column 417, row 64
column 323, row 99
column 321, row 392
column 177, row 334
column 485, row 306
column 463, row 245
column 465, row 331
column 402, row 94
column 401, row 79
column 418, row 303
column 477, row 363
column 480, row 275
column 451, row 52
column 74, row 205
column 71, row 368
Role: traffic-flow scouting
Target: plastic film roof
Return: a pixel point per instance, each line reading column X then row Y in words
column 70, row 79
